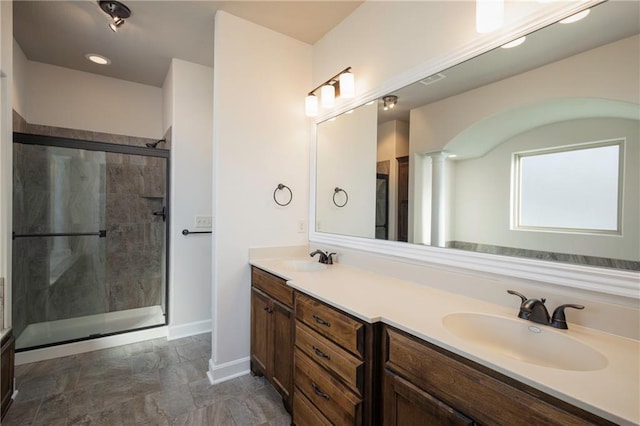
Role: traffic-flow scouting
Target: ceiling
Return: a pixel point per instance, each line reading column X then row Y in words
column 62, row 32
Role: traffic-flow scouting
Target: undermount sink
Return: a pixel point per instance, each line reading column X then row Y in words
column 524, row 341
column 304, row 265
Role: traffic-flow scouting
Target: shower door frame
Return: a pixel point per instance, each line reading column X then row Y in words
column 55, row 141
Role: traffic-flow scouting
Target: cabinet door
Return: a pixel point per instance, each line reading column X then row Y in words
column 261, row 346
column 404, row 404
column 7, row 373
column 282, row 324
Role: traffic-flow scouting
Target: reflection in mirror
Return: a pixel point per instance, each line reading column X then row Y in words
column 495, row 154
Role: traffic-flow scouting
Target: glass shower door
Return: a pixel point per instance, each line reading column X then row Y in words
column 89, row 247
column 58, row 242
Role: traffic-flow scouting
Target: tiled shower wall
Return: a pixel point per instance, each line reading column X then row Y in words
column 123, row 271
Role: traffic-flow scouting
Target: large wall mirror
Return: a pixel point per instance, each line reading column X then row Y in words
column 530, row 151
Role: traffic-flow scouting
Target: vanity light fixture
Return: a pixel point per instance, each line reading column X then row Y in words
column 341, row 85
column 514, row 43
column 97, row 59
column 489, row 15
column 117, row 11
column 577, row 17
column 389, row 101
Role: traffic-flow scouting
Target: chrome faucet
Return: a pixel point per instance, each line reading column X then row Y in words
column 325, row 256
column 535, row 310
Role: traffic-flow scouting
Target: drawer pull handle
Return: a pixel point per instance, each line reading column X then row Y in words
column 321, row 321
column 319, row 392
column 320, row 353
column 268, row 309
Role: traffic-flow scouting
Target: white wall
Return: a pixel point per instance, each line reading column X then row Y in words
column 191, row 92
column 19, row 79
column 261, row 138
column 6, row 152
column 85, row 101
column 167, row 101
column 346, row 158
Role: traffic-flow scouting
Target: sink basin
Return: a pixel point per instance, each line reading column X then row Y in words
column 525, row 341
column 304, row 265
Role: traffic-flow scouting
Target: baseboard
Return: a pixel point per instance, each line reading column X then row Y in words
column 75, row 348
column 189, row 329
column 228, row 370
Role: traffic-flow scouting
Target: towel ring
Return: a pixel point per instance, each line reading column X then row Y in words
column 335, row 192
column 280, row 187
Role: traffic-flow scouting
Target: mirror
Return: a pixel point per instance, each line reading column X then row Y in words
column 530, row 151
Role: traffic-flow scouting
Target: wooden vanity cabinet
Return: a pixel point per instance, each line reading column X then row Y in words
column 427, row 385
column 334, row 366
column 272, row 332
column 7, row 373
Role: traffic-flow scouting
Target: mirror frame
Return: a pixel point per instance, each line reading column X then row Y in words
column 602, row 280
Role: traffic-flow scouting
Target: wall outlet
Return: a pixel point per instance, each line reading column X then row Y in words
column 300, row 226
column 203, row 222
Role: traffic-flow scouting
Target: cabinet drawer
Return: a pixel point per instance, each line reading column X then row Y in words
column 486, row 396
column 331, row 356
column 339, row 404
column 332, row 324
column 305, row 413
column 273, row 286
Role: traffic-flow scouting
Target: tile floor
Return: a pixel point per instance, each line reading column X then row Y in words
column 157, row 382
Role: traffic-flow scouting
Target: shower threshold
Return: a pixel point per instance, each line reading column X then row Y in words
column 62, row 331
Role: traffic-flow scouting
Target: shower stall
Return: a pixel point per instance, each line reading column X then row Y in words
column 89, row 239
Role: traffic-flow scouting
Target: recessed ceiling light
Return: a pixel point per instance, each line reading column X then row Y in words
column 514, row 43
column 98, row 59
column 575, row 18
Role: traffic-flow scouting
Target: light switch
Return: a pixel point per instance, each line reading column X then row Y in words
column 203, row 221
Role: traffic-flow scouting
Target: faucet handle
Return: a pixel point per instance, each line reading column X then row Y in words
column 330, row 258
column 558, row 319
column 520, row 295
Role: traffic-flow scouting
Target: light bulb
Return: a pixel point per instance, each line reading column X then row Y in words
column 328, row 95
column 311, row 105
column 489, row 15
column 347, row 85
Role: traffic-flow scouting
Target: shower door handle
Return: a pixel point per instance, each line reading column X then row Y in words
column 161, row 213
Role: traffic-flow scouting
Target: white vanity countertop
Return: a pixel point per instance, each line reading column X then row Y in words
column 612, row 392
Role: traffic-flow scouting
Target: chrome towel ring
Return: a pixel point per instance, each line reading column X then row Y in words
column 336, row 192
column 280, row 187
